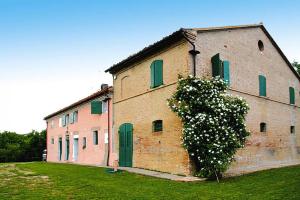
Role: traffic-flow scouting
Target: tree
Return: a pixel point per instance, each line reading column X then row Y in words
column 296, row 65
column 213, row 123
column 18, row 148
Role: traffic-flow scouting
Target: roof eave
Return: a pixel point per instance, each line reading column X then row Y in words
column 148, row 51
column 82, row 101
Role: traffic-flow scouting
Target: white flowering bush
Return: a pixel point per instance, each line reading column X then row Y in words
column 213, row 123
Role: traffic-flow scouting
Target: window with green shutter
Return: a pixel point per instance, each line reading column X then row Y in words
column 75, row 116
column 226, row 71
column 156, row 68
column 262, row 85
column 292, row 95
column 220, row 68
column 96, row 107
column 216, row 65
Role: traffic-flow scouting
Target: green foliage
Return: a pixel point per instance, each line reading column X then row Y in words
column 213, row 123
column 296, row 65
column 17, row 148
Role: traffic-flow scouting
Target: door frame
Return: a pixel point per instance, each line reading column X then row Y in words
column 75, row 137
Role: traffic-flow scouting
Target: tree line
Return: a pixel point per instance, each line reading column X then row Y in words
column 22, row 148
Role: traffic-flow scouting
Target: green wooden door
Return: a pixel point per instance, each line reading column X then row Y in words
column 125, row 145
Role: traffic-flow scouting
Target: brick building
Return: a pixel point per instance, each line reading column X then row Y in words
column 147, row 134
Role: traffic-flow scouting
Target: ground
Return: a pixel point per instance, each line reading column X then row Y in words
column 66, row 181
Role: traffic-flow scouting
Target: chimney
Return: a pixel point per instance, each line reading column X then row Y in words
column 104, row 86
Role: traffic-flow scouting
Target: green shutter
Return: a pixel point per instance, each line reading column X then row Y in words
column 156, row 73
column 152, row 68
column 262, row 86
column 292, row 95
column 226, row 71
column 96, row 107
column 216, row 65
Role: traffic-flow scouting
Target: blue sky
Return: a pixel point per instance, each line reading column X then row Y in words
column 54, row 52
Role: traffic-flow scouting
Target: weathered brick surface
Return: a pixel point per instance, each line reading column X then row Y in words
column 136, row 103
column 277, row 146
column 157, row 151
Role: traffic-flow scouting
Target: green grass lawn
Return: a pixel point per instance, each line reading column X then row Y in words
column 66, row 181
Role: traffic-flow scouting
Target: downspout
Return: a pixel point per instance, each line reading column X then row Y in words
column 193, row 52
column 108, row 130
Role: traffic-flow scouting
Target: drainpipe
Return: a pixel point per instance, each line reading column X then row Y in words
column 108, row 130
column 193, row 52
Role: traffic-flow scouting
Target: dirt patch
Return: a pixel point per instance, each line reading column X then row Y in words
column 10, row 173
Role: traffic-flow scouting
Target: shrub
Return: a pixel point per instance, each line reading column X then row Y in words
column 213, row 123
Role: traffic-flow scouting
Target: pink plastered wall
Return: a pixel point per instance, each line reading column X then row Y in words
column 84, row 127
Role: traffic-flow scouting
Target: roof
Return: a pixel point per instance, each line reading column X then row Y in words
column 84, row 100
column 187, row 32
column 148, row 51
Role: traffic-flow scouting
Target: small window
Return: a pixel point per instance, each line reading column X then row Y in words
column 292, row 129
column 52, row 140
column 263, row 127
column 260, row 45
column 157, row 125
column 84, row 143
column 95, row 137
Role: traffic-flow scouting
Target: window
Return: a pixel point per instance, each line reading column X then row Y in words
column 260, row 45
column 292, row 95
column 292, row 129
column 84, row 143
column 157, row 125
column 262, row 85
column 59, row 148
column 220, row 68
column 63, row 121
column 67, row 119
column 95, row 137
column 96, row 107
column 60, row 122
column 156, row 68
column 75, row 116
column 71, row 118
column 104, row 106
column 52, row 140
column 263, row 127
